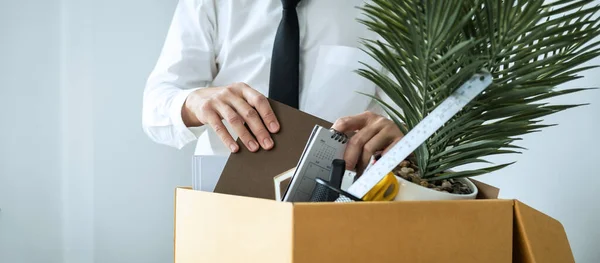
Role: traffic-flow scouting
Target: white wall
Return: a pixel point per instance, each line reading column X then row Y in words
column 30, row 185
column 80, row 182
column 134, row 178
column 557, row 174
column 77, row 131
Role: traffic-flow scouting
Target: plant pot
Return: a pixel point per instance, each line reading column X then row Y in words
column 413, row 192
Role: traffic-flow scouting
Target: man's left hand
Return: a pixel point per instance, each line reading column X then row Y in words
column 374, row 133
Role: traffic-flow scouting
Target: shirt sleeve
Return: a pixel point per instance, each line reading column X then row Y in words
column 186, row 63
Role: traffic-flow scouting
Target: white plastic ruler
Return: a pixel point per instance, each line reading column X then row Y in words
column 415, row 137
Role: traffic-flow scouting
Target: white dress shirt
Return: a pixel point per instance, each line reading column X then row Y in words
column 219, row 42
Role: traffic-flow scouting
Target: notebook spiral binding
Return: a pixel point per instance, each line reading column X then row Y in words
column 339, row 136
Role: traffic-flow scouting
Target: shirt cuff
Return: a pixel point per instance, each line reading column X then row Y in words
column 182, row 134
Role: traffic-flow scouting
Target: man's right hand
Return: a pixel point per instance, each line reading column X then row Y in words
column 238, row 104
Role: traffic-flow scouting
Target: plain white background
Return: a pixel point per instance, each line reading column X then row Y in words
column 80, row 182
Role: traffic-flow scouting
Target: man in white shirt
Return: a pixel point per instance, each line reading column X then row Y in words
column 222, row 58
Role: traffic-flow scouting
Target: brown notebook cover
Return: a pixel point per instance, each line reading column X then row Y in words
column 251, row 174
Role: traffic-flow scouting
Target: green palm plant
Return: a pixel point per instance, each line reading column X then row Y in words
column 428, row 48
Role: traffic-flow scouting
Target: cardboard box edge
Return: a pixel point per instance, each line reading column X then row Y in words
column 177, row 189
column 525, row 234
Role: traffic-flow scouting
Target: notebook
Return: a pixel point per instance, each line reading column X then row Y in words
column 323, row 146
column 251, row 174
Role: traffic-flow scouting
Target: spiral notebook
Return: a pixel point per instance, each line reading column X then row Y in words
column 323, row 146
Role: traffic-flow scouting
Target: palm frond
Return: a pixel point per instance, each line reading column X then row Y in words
column 428, row 48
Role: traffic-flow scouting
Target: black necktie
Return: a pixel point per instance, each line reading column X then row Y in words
column 283, row 83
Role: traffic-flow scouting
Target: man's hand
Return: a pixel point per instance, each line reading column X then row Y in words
column 238, row 104
column 374, row 133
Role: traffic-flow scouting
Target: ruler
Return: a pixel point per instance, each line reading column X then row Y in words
column 423, row 130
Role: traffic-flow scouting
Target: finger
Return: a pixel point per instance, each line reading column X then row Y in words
column 214, row 120
column 379, row 142
column 356, row 143
column 261, row 104
column 352, row 123
column 252, row 119
column 237, row 123
column 394, row 142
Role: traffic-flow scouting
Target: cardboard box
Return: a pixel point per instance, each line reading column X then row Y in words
column 241, row 222
column 214, row 227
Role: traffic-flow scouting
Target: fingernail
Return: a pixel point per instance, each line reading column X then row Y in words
column 233, row 147
column 273, row 126
column 252, row 145
column 268, row 142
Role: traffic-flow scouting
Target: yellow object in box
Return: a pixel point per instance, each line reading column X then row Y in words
column 385, row 190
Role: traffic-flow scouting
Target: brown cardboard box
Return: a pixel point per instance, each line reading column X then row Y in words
column 215, row 227
column 242, row 223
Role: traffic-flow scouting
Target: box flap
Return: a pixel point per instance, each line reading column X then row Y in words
column 254, row 230
column 486, row 191
column 427, row 231
column 539, row 238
